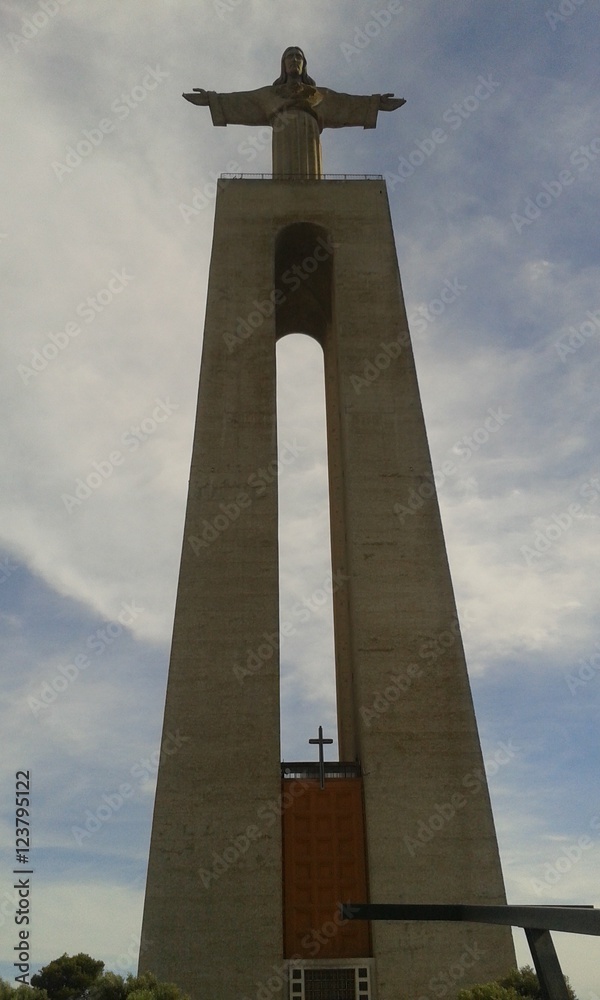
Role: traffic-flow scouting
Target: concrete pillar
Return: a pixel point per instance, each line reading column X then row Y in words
column 315, row 257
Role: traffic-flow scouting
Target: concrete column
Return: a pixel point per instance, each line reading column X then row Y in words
column 212, row 920
column 404, row 701
column 430, row 832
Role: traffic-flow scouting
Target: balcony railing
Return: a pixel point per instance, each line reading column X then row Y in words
column 310, row 769
column 299, row 177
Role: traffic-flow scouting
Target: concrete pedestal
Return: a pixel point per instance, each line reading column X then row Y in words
column 315, row 257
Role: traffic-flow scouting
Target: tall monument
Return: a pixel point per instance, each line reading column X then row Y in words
column 249, row 859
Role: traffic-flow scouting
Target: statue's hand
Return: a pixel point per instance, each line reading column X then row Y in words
column 199, row 96
column 387, row 102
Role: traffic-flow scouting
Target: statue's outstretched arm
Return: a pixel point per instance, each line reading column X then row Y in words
column 341, row 110
column 198, row 96
column 250, row 107
column 387, row 102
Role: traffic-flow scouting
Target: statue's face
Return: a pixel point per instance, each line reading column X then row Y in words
column 294, row 63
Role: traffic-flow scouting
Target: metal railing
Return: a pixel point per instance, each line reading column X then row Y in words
column 311, row 769
column 299, row 177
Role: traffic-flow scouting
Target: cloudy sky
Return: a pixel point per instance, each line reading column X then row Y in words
column 493, row 170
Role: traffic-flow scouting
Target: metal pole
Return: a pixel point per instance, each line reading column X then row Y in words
column 547, row 966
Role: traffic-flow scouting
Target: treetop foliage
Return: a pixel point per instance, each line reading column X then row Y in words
column 518, row 984
column 489, row 991
column 79, row 977
column 8, row 992
column 144, row 987
column 68, row 976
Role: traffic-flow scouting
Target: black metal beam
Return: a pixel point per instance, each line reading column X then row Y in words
column 576, row 919
column 537, row 921
column 547, row 966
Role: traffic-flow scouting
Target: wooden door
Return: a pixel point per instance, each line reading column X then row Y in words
column 324, row 865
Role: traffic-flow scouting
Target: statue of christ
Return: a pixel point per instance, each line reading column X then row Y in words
column 297, row 111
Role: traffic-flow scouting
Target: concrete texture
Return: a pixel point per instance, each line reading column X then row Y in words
column 318, row 257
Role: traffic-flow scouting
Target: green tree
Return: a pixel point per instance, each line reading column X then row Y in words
column 8, row 992
column 68, row 976
column 110, row 986
column 489, row 991
column 524, row 982
column 145, row 987
column 518, row 984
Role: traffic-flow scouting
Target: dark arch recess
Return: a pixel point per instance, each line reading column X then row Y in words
column 303, row 279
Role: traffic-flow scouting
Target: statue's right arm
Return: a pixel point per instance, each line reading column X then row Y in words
column 252, row 107
column 198, row 96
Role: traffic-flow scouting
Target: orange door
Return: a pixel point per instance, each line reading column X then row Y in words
column 324, row 864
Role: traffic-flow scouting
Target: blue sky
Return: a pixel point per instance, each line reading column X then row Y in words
column 502, row 202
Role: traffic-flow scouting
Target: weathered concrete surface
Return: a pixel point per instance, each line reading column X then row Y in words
column 404, row 702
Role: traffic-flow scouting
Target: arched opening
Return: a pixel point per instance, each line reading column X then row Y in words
column 303, row 272
column 308, row 696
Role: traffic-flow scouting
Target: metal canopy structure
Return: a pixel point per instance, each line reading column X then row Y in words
column 536, row 921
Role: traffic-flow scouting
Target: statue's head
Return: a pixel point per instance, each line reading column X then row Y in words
column 293, row 67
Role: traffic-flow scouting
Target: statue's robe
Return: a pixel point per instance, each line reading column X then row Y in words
column 297, row 113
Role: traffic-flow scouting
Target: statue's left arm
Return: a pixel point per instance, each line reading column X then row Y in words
column 343, row 110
